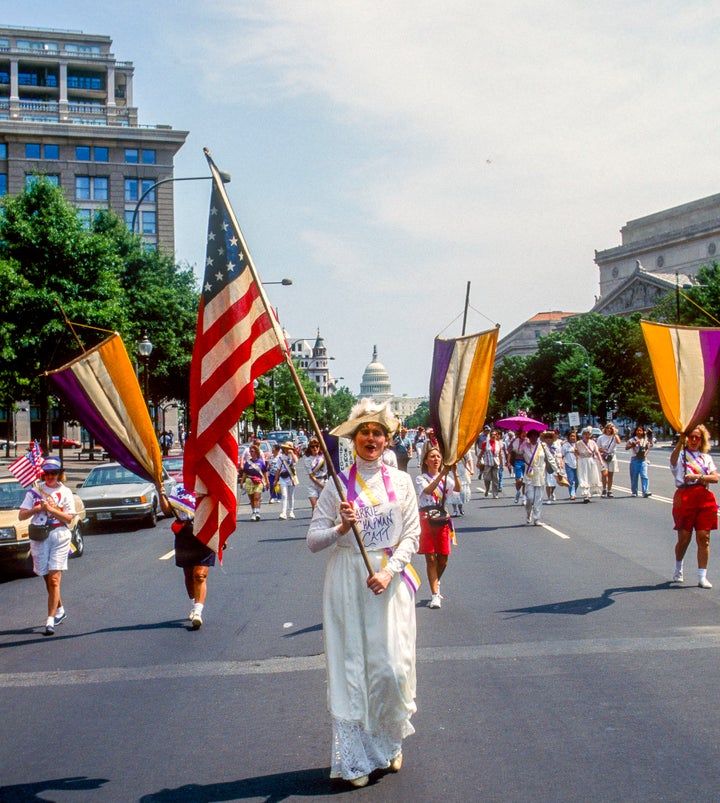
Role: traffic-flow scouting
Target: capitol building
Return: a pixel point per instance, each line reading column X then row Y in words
column 375, row 384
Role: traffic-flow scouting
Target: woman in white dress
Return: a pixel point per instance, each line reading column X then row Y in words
column 589, row 465
column 369, row 622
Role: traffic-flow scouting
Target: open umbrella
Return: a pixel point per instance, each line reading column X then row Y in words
column 518, row 423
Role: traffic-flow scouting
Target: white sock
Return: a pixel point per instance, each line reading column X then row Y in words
column 60, row 611
column 701, row 574
column 50, row 621
column 678, row 565
column 199, row 607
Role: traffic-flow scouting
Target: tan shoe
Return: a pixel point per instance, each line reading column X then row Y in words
column 396, row 763
column 363, row 780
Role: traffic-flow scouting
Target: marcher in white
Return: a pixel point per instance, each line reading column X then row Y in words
column 607, row 444
column 287, row 479
column 537, row 458
column 51, row 506
column 590, row 465
column 368, row 622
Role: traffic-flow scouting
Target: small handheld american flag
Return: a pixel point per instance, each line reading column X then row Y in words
column 28, row 468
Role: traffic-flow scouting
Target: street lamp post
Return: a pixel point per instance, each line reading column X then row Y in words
column 223, row 175
column 144, row 349
column 587, row 365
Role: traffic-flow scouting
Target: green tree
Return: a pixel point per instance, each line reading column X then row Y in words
column 510, row 387
column 421, row 416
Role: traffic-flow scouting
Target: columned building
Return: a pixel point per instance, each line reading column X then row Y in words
column 67, row 113
column 315, row 361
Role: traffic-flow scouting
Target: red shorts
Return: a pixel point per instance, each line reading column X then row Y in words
column 434, row 539
column 695, row 508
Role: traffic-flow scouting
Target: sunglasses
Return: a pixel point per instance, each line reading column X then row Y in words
column 694, row 437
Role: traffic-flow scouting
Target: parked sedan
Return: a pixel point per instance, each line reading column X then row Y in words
column 14, row 541
column 111, row 492
column 67, row 443
column 173, row 464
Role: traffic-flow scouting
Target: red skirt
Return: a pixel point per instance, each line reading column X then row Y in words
column 695, row 508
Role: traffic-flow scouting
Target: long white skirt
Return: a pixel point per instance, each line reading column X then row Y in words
column 589, row 481
column 370, row 655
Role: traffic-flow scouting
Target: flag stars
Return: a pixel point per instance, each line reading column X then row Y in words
column 209, row 262
column 230, row 266
column 211, row 236
column 219, row 276
column 213, row 210
column 233, row 241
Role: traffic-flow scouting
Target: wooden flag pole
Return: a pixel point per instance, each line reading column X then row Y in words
column 328, row 461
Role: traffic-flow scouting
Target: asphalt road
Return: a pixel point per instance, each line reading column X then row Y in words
column 562, row 666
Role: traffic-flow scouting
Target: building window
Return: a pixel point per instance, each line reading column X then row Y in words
column 131, row 156
column 129, row 218
column 82, row 153
column 3, row 183
column 51, row 151
column 31, row 178
column 91, row 188
column 32, row 150
column 85, row 216
column 148, row 156
column 146, row 184
column 131, row 189
column 3, row 150
column 101, row 154
column 149, row 222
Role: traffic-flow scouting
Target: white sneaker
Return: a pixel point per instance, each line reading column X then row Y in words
column 282, row 516
column 196, row 620
column 678, row 576
column 703, row 582
column 435, row 602
column 291, row 516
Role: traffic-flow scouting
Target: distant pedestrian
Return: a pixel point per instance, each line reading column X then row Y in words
column 51, row 508
column 570, row 462
column 640, row 445
column 288, row 479
column 402, row 446
column 490, row 460
column 694, row 505
column 607, row 444
column 590, row 465
column 536, row 458
column 254, row 480
column 518, row 465
column 316, row 470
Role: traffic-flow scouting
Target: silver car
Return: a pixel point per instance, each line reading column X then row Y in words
column 113, row 493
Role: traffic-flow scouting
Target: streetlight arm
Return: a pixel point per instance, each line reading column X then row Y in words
column 223, row 175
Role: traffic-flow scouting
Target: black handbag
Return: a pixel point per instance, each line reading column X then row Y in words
column 437, row 515
column 38, row 532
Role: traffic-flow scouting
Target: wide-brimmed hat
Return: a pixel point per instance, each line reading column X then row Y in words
column 287, row 445
column 51, row 464
column 367, row 411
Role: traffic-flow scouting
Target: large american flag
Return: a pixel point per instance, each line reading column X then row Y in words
column 27, row 469
column 237, row 340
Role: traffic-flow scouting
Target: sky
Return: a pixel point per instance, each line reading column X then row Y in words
column 385, row 153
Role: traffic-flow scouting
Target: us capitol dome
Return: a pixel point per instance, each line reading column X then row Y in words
column 375, row 383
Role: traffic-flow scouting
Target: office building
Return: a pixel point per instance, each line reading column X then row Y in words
column 66, row 112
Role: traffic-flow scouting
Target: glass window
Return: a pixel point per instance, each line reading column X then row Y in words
column 82, row 188
column 3, row 150
column 85, row 216
column 100, row 188
column 82, row 153
column 131, row 189
column 52, row 151
column 146, row 184
column 32, row 150
column 149, row 222
column 3, row 183
column 131, row 155
column 100, row 154
column 148, row 156
column 129, row 218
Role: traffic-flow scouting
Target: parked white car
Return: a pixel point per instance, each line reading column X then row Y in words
column 113, row 493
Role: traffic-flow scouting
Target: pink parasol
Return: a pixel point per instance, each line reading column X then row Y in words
column 518, row 423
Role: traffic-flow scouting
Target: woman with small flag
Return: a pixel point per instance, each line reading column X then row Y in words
column 694, row 504
column 51, row 507
column 368, row 621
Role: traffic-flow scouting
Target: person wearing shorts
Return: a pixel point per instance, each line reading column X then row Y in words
column 50, row 504
column 694, row 505
column 435, row 540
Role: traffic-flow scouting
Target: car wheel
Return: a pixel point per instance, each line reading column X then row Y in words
column 152, row 516
column 76, row 538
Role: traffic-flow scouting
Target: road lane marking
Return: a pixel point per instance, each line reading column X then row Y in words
column 554, row 531
column 656, row 497
column 687, row 639
column 167, row 555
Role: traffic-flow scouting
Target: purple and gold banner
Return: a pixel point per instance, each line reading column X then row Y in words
column 460, row 389
column 686, row 365
column 101, row 389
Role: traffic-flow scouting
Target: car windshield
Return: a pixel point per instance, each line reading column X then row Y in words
column 110, row 475
column 173, row 463
column 11, row 495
